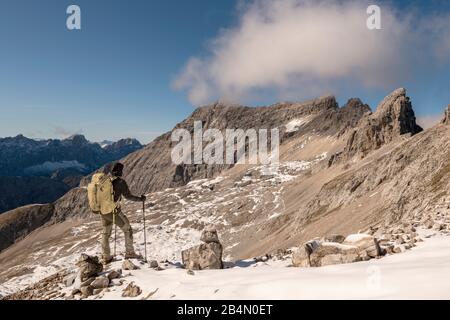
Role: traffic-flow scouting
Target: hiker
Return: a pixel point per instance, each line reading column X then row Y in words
column 113, row 213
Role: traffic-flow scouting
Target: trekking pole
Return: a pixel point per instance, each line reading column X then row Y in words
column 115, row 232
column 145, row 232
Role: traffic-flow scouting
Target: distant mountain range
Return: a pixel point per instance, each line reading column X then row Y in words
column 28, row 166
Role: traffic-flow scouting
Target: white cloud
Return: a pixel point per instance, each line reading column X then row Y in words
column 310, row 47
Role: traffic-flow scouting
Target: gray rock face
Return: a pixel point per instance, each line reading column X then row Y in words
column 88, row 266
column 446, row 119
column 394, row 117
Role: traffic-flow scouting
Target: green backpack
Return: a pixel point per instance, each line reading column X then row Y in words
column 101, row 194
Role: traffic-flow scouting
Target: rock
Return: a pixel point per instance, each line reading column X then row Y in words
column 393, row 117
column 101, row 282
column 437, row 227
column 75, row 292
column 209, row 235
column 263, row 258
column 86, row 291
column 428, row 224
column 190, row 272
column 131, row 291
column 300, row 258
column 153, row 264
column 89, row 266
column 397, row 249
column 446, row 119
column 70, row 279
column 87, row 282
column 97, row 291
column 357, row 247
column 364, row 242
column 330, row 253
column 334, row 238
column 114, row 274
column 128, row 265
column 203, row 256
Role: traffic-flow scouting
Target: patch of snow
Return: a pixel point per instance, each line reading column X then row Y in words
column 421, row 273
column 295, row 124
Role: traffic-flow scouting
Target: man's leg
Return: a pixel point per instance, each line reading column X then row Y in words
column 107, row 224
column 124, row 224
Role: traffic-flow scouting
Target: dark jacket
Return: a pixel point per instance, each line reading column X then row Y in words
column 120, row 187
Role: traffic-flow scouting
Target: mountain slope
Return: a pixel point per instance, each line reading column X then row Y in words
column 321, row 187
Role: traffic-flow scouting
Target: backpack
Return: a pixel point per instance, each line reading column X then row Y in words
column 101, row 194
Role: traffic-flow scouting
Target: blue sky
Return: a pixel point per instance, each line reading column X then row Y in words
column 115, row 77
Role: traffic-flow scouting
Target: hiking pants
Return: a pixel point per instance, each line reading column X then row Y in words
column 124, row 224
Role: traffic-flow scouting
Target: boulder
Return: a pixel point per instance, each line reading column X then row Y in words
column 329, row 253
column 131, row 291
column 101, row 282
column 209, row 235
column 357, row 247
column 89, row 266
column 365, row 242
column 300, row 258
column 203, row 256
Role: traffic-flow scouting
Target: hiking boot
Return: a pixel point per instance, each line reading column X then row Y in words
column 107, row 260
column 133, row 255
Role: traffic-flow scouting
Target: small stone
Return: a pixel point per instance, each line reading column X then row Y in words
column 131, row 291
column 128, row 265
column 97, row 291
column 75, row 292
column 87, row 282
column 190, row 272
column 114, row 274
column 100, row 282
column 397, row 249
column 153, row 264
column 86, row 291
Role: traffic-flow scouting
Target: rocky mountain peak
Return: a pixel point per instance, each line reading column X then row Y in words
column 393, row 117
column 446, row 119
column 77, row 139
column 396, row 109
